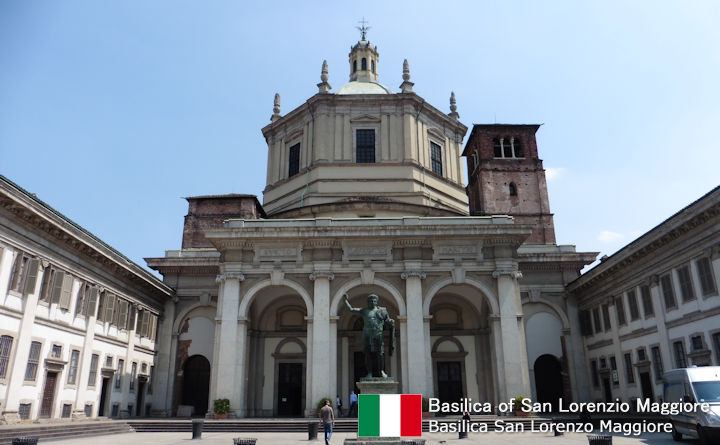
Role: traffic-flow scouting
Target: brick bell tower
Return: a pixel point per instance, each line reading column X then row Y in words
column 506, row 177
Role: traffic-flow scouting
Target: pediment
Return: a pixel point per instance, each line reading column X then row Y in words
column 365, row 119
column 433, row 131
column 294, row 134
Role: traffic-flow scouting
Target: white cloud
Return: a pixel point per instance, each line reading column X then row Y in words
column 606, row 236
column 553, row 173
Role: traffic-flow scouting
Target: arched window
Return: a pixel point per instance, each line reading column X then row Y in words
column 372, row 65
column 363, row 64
column 354, row 65
column 513, row 189
column 497, row 148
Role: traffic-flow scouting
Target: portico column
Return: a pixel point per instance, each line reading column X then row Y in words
column 416, row 366
column 514, row 364
column 322, row 367
column 227, row 380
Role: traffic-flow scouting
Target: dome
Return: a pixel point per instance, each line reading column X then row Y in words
column 359, row 87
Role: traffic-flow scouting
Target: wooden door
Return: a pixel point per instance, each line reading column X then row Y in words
column 48, row 398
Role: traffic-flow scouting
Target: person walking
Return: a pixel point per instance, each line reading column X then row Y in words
column 338, row 405
column 327, row 417
column 353, row 405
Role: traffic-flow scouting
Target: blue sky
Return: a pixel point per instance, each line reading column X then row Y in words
column 113, row 111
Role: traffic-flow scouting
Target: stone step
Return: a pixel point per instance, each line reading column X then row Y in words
column 64, row 430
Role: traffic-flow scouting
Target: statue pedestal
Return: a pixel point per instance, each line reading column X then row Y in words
column 378, row 385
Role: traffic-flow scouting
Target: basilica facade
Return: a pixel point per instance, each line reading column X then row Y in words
column 365, row 194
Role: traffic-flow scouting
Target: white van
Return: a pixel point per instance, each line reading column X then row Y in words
column 695, row 385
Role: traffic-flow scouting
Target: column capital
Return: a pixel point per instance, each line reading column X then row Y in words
column 653, row 280
column 322, row 274
column 514, row 274
column 221, row 278
column 413, row 273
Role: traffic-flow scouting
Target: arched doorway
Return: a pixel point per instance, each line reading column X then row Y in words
column 196, row 384
column 548, row 380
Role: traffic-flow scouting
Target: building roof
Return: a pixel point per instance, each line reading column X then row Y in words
column 691, row 216
column 41, row 213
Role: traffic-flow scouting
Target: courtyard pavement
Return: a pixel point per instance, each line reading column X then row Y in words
column 337, row 439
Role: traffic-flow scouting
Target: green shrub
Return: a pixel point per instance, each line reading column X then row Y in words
column 517, row 403
column 221, row 406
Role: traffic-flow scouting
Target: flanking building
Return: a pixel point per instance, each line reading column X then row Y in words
column 78, row 320
column 653, row 305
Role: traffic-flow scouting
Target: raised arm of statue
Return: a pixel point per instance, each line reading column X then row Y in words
column 347, row 304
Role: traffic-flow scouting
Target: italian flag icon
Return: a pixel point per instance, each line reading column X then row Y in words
column 389, row 415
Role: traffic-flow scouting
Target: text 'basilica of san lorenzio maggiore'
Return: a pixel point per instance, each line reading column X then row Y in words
column 365, row 195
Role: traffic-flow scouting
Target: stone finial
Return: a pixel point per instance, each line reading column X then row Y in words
column 324, row 86
column 406, row 86
column 276, row 108
column 453, row 107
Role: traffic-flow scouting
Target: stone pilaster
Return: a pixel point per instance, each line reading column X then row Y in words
column 84, row 371
column 231, row 337
column 164, row 369
column 322, row 367
column 512, row 336
column 416, row 369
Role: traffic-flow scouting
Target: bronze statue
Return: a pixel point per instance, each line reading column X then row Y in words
column 375, row 318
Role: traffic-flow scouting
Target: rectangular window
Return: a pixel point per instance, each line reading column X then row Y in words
column 46, row 289
column 647, row 301
column 641, row 354
column 585, row 323
column 92, row 377
column 696, row 343
column 594, row 373
column 613, row 367
column 606, row 316
column 657, row 362
column 294, row 161
column 629, row 372
column 620, row 309
column 667, row 291
column 686, row 287
column 56, row 351
column 436, row 158
column 596, row 320
column 365, row 146
column 108, row 361
column 33, row 361
column 24, row 411
column 66, row 411
column 121, row 314
column 679, row 350
column 120, row 370
column 633, row 305
column 88, row 410
column 73, row 366
column 133, row 373
column 115, row 410
column 5, row 347
column 707, row 281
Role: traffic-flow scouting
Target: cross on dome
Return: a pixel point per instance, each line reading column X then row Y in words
column 363, row 29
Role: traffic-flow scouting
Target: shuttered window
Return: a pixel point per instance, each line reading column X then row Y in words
column 668, row 293
column 92, row 296
column 121, row 314
column 57, row 286
column 33, row 361
column 81, row 303
column 686, row 286
column 18, row 272
column 620, row 309
column 144, row 323
column 46, row 291
column 66, row 291
column 107, row 307
column 647, row 301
